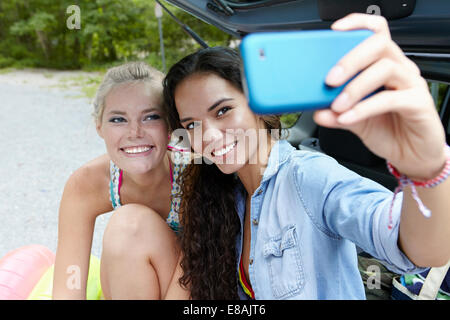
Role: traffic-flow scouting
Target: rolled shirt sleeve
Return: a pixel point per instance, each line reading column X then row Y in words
column 386, row 241
column 354, row 208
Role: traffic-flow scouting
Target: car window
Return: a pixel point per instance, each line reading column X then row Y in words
column 253, row 1
column 288, row 120
column 244, row 1
column 441, row 94
column 438, row 91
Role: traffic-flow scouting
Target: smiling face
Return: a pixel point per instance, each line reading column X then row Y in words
column 221, row 126
column 133, row 127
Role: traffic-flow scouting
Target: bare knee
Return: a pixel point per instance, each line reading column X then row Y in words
column 137, row 234
column 130, row 228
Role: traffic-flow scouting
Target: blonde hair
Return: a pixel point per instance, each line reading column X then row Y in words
column 130, row 72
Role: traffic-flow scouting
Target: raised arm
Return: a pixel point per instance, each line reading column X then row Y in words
column 399, row 124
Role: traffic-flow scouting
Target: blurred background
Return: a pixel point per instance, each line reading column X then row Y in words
column 49, row 73
column 34, row 33
column 50, row 69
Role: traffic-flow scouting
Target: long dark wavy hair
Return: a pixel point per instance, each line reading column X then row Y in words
column 208, row 213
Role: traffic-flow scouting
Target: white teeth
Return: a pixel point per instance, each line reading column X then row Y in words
column 225, row 150
column 136, row 149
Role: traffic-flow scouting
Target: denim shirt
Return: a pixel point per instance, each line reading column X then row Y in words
column 306, row 217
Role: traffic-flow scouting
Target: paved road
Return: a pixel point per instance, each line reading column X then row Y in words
column 45, row 134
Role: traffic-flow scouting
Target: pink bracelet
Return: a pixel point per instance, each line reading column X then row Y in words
column 403, row 181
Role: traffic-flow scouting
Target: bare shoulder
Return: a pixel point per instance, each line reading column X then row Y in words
column 89, row 185
column 91, row 175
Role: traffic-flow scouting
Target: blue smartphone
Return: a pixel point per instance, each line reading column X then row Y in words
column 285, row 71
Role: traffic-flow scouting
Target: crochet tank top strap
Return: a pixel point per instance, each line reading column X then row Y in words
column 114, row 184
column 116, row 176
column 173, row 218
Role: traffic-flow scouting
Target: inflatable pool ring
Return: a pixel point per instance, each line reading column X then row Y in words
column 21, row 269
column 43, row 289
column 27, row 273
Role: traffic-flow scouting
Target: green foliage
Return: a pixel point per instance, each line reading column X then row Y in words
column 289, row 119
column 34, row 33
column 40, row 21
column 6, row 62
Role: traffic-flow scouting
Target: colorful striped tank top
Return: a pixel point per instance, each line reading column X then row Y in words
column 243, row 281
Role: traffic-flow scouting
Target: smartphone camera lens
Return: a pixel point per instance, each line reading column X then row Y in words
column 262, row 54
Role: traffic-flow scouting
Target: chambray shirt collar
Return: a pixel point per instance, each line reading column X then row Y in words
column 279, row 154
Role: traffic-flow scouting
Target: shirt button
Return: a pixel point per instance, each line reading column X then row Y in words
column 255, row 222
column 251, row 261
column 260, row 191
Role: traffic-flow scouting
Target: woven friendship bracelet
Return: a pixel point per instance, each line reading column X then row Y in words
column 403, row 181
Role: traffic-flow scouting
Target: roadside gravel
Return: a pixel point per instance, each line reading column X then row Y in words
column 46, row 132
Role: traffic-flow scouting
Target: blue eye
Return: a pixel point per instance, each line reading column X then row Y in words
column 223, row 111
column 152, row 117
column 117, row 120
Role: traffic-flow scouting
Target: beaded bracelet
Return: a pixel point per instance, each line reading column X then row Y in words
column 403, row 181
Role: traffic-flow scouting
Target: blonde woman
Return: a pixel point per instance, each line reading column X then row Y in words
column 138, row 180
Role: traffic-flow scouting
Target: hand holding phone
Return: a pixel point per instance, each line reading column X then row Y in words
column 285, row 71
